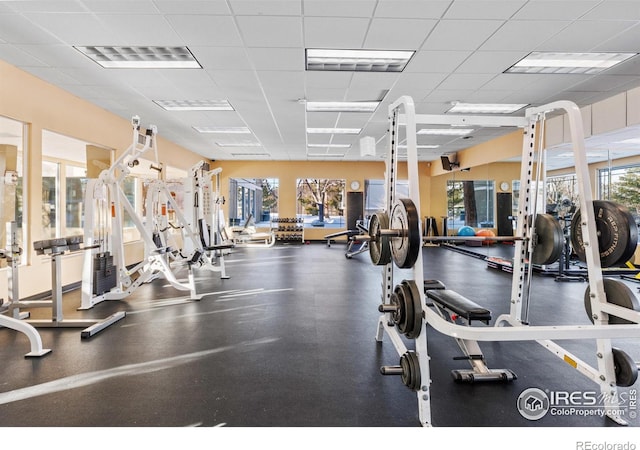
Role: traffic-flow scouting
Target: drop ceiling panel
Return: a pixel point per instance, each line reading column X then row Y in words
column 58, row 55
column 559, row 10
column 523, row 35
column 416, row 84
column 465, row 81
column 195, row 7
column 398, row 34
column 584, row 35
column 322, row 120
column 52, row 75
column 18, row 57
column 490, row 62
column 412, row 9
column 281, row 79
column 615, row 10
column 54, row 6
column 221, row 58
column 477, row 10
column 276, row 58
column 373, row 81
column 262, row 31
column 337, row 32
column 238, row 79
column 16, row 29
column 604, row 83
column 442, row 99
column 366, row 94
column 132, row 6
column 328, row 80
column 339, row 8
column 206, row 30
column 266, row 7
column 436, row 61
column 321, row 94
column 461, row 34
column 623, row 42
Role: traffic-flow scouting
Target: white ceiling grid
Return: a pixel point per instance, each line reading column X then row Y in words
column 252, row 54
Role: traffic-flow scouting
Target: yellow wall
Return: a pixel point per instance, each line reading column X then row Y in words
column 42, row 106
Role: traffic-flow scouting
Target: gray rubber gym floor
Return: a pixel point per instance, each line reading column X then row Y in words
column 287, row 341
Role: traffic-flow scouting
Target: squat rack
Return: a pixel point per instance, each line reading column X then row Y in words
column 520, row 330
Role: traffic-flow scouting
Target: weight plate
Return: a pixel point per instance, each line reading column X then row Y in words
column 405, row 248
column 396, row 316
column 405, row 308
column 617, row 233
column 618, row 294
column 625, row 367
column 549, row 240
column 414, row 322
column 379, row 248
column 410, row 370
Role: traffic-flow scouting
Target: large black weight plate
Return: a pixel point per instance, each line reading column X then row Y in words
column 410, row 370
column 618, row 294
column 625, row 367
column 549, row 240
column 379, row 248
column 405, row 318
column 617, row 233
column 413, row 304
column 405, row 248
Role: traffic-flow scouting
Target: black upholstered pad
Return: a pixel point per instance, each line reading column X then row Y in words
column 458, row 304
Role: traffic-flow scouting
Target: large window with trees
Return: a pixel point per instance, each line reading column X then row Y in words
column 253, row 201
column 320, row 202
column 375, row 194
column 471, row 203
column 621, row 185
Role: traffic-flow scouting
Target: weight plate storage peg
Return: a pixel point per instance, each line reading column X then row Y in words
column 405, row 248
column 379, row 247
column 617, row 233
column 405, row 308
column 549, row 240
column 625, row 368
column 618, row 294
column 409, row 370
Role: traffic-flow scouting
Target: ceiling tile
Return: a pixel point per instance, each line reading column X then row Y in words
column 328, row 80
column 584, row 35
column 480, row 9
column 127, row 28
column 346, row 33
column 373, row 81
column 221, row 58
column 603, row 83
column 192, row 6
column 626, row 41
column 266, row 7
column 465, row 81
column 55, row 6
column 339, row 8
column 120, row 6
column 436, row 61
column 57, row 55
column 16, row 29
column 412, row 9
column 461, row 34
column 324, row 94
column 524, row 35
column 615, row 10
column 276, row 58
column 270, row 31
column 206, row 30
column 18, row 57
column 400, row 34
column 555, row 10
column 490, row 62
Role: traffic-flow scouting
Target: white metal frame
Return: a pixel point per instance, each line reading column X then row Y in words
column 520, row 329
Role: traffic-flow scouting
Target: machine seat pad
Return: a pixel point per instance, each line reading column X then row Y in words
column 458, row 304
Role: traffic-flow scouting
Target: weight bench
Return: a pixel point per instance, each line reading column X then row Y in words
column 456, row 307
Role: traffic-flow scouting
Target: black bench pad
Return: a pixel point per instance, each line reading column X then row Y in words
column 433, row 284
column 458, row 304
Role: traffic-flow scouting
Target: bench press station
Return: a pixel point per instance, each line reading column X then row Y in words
column 395, row 238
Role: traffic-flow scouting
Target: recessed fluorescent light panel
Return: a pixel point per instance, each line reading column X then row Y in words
column 486, row 108
column 367, row 107
column 568, row 63
column 334, row 130
column 325, row 155
column 223, row 130
column 357, row 60
column 113, row 57
column 329, row 145
column 253, row 155
column 445, row 131
column 194, row 105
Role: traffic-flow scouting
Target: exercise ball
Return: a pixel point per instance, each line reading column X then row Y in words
column 486, row 233
column 466, row 231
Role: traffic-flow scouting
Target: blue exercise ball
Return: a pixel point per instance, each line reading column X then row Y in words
column 466, row 231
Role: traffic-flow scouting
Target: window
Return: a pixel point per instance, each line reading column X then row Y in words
column 50, row 183
column 75, row 183
column 375, row 194
column 470, row 203
column 562, row 195
column 320, row 202
column 621, row 185
column 253, row 201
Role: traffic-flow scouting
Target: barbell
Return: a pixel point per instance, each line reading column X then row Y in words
column 398, row 237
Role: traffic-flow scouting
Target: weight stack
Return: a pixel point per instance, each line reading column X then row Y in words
column 104, row 273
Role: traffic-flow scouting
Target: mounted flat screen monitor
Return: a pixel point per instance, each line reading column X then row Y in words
column 446, row 164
